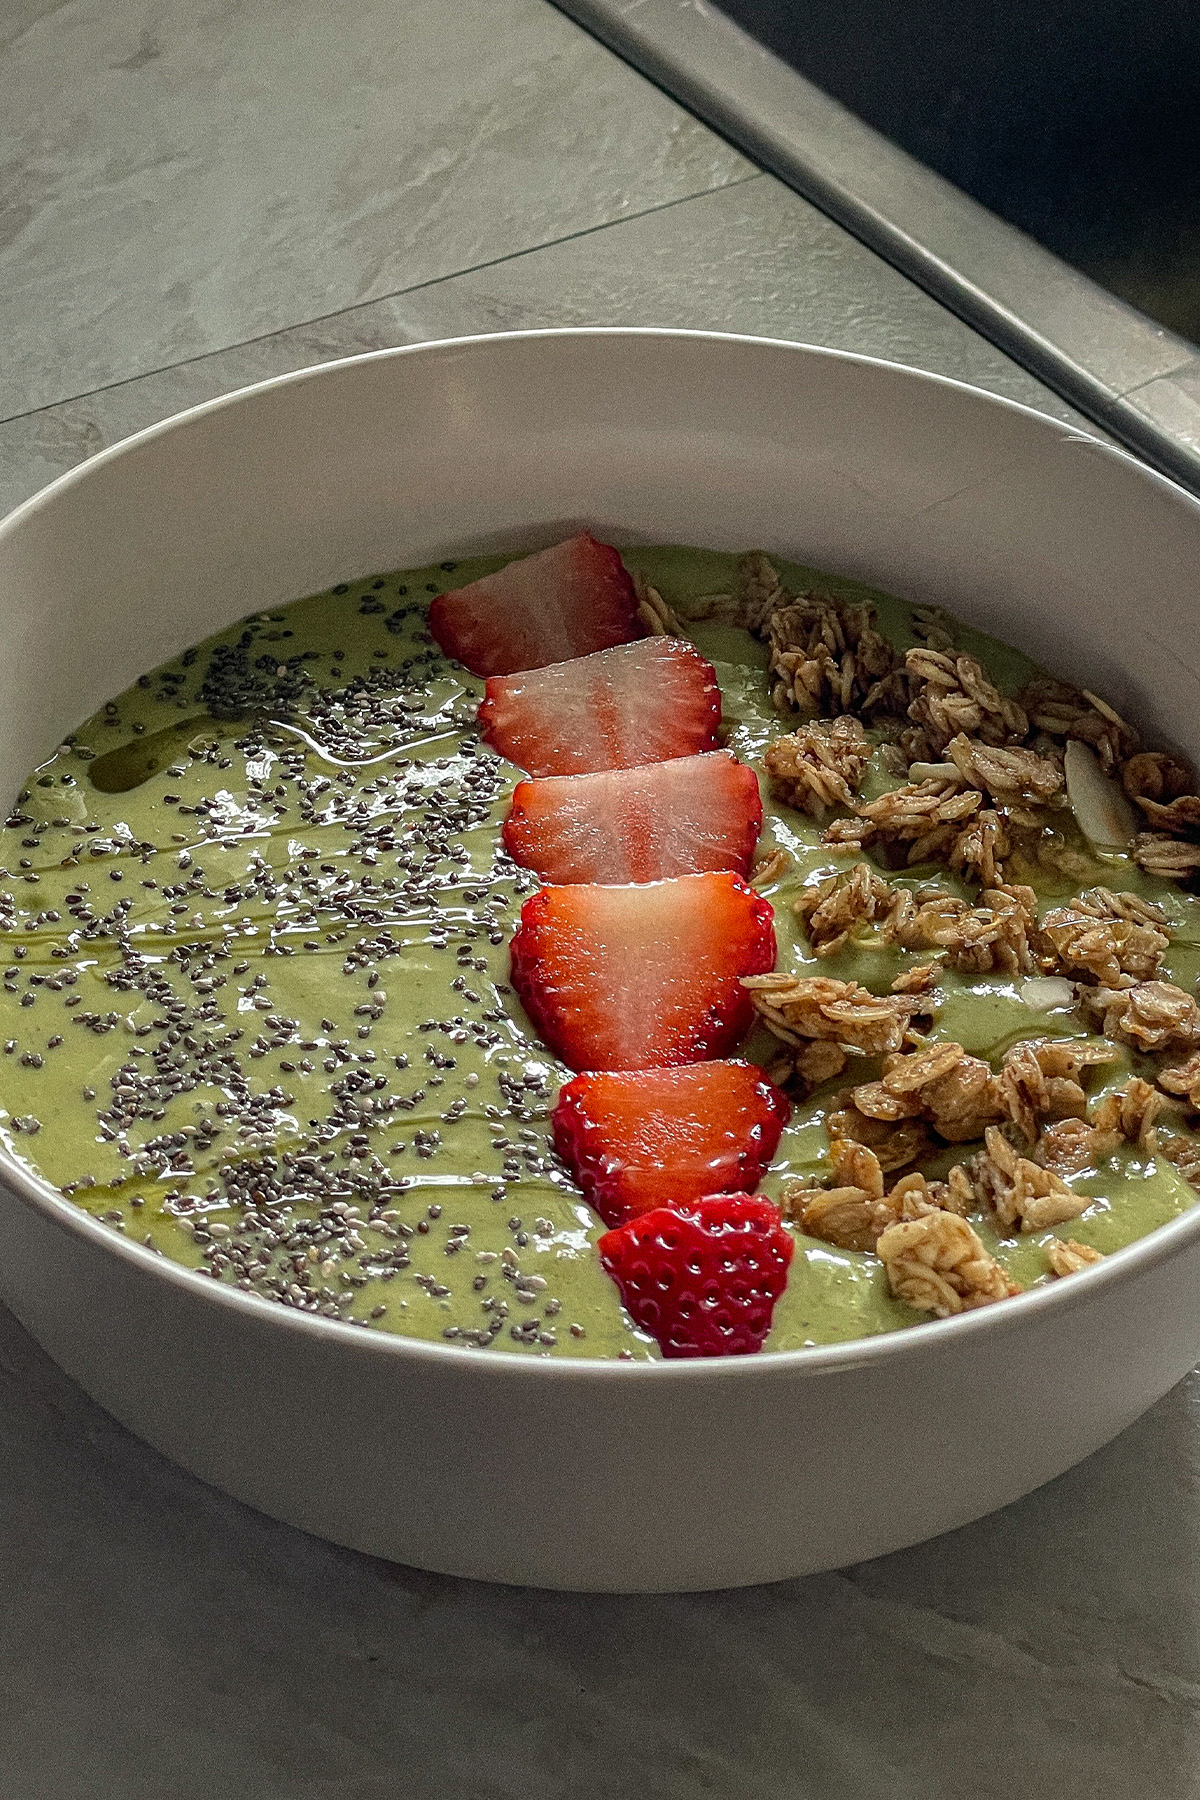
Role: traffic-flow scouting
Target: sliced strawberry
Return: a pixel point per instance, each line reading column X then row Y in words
column 702, row 1281
column 639, row 703
column 666, row 1137
column 643, row 976
column 566, row 601
column 644, row 824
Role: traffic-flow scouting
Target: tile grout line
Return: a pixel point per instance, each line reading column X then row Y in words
column 1192, row 362
column 360, row 306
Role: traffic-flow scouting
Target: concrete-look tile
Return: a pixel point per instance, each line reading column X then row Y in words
column 19, row 15
column 180, row 175
column 752, row 258
column 1172, row 402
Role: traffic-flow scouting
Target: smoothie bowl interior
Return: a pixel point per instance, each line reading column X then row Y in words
column 373, row 485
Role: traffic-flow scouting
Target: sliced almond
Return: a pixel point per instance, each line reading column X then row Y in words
column 1104, row 814
column 1044, row 992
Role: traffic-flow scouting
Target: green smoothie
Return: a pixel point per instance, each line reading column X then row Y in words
column 256, row 1012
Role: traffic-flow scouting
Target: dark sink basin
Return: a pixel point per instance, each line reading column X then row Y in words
column 1078, row 122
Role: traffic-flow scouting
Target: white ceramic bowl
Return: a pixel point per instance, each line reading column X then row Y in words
column 577, row 1474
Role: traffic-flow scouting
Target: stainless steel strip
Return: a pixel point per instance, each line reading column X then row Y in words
column 1110, row 361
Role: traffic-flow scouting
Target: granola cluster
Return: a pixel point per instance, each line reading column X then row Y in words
column 934, row 1259
column 954, row 1093
column 758, row 591
column 819, row 767
column 1184, row 1081
column 921, row 821
column 998, row 932
column 1163, row 787
column 802, row 1007
column 1184, row 1151
column 827, row 656
column 1129, row 1115
column 1108, row 945
column 1032, row 1116
column 951, row 696
column 1064, row 712
column 1131, row 1112
column 1042, row 1083
column 958, row 1096
column 1039, row 1107
column 1013, row 777
column 1108, row 936
column 938, row 1264
column 1022, row 1194
column 1151, row 1016
column 957, row 736
column 653, row 610
column 1160, row 784
column 855, row 1212
column 897, row 1143
column 854, row 905
column 1066, row 1257
column 987, row 784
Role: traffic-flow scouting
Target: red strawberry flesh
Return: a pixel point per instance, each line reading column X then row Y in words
column 643, row 824
column 702, row 1280
column 637, row 1139
column 642, row 976
column 567, row 601
column 639, row 703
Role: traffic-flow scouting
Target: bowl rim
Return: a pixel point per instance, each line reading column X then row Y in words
column 930, row 1337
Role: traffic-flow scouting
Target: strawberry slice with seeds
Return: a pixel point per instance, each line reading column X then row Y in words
column 638, row 703
column 643, row 976
column 703, row 1280
column 637, row 1139
column 567, row 601
column 644, row 824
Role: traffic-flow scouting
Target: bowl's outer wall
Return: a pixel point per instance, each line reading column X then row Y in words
column 597, row 1476
column 472, row 1465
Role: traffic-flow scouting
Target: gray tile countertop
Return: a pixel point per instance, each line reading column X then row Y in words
column 194, row 197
